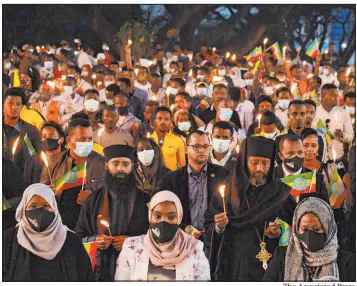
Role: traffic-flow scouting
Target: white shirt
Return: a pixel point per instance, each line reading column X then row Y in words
column 102, row 96
column 329, row 79
column 83, row 59
column 159, row 96
column 85, row 85
column 190, row 88
column 70, row 106
column 141, row 86
column 339, row 119
column 223, row 161
column 245, row 112
column 282, row 115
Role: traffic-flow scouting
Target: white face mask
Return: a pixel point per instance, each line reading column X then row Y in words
column 184, row 126
column 108, row 82
column 269, row 135
column 91, row 105
column 249, row 82
column 172, row 71
column 174, row 91
column 325, row 71
column 269, row 90
column 8, row 66
column 84, row 73
column 220, row 146
column 283, row 103
column 48, row 65
column 68, row 89
column 105, row 48
column 200, row 77
column 83, row 149
column 52, row 51
column 190, row 56
column 221, row 72
column 146, row 157
column 109, row 101
column 350, row 109
column 201, row 91
column 225, row 114
column 175, row 58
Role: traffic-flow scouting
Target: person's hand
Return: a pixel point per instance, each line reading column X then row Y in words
column 103, row 241
column 338, row 134
column 273, row 230
column 318, row 57
column 82, row 196
column 118, row 242
column 221, row 220
column 257, row 130
column 53, row 188
column 128, row 49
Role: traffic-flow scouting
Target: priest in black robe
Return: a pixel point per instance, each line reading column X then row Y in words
column 251, row 209
column 121, row 204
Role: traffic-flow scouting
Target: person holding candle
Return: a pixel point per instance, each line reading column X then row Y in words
column 247, row 227
column 14, row 127
column 155, row 92
column 313, row 253
column 120, row 204
column 183, row 124
column 165, row 252
column 41, row 248
column 184, row 101
column 268, row 124
column 148, row 126
column 110, row 134
column 69, row 169
column 127, row 121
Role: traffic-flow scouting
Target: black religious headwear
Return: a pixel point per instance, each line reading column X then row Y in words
column 116, row 151
column 260, row 147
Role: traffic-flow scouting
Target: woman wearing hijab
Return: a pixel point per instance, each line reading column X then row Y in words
column 184, row 123
column 166, row 252
column 40, row 248
column 149, row 169
column 313, row 253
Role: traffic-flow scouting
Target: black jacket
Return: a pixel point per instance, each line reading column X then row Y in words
column 346, row 263
column 287, row 212
column 136, row 107
column 177, row 182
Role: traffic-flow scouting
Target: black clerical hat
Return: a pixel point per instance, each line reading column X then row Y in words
column 116, row 151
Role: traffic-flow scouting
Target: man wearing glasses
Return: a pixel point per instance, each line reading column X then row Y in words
column 196, row 182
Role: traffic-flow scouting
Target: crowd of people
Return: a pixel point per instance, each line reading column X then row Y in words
column 202, row 166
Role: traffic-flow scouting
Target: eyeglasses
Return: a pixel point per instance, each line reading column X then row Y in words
column 200, row 147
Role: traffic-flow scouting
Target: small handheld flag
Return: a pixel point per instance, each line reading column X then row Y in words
column 5, row 204
column 285, row 232
column 276, row 50
column 29, row 145
column 91, row 248
column 325, row 131
column 73, row 178
column 203, row 104
column 255, row 54
column 336, row 190
column 301, row 183
column 313, row 49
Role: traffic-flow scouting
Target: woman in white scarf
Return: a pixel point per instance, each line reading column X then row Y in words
column 40, row 247
column 313, row 253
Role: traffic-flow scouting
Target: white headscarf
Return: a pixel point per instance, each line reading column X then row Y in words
column 44, row 244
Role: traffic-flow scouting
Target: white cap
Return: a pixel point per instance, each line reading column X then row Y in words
column 100, row 56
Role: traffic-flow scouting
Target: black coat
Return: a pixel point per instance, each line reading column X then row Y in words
column 17, row 261
column 346, row 263
column 177, row 182
column 136, row 107
column 287, row 212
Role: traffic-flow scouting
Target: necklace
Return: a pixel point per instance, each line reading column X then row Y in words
column 263, row 255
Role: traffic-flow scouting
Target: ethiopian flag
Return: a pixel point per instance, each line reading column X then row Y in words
column 313, row 49
column 276, row 51
column 296, row 93
column 29, row 146
column 337, row 190
column 203, row 104
column 255, row 54
column 256, row 67
column 321, row 126
column 91, row 248
column 5, row 204
column 73, row 178
column 301, row 183
column 285, row 232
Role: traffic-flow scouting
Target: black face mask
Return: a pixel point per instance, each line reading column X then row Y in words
column 39, row 219
column 163, row 232
column 123, row 110
column 293, row 164
column 314, row 241
column 49, row 144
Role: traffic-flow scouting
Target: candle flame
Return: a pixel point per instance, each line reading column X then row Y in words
column 348, row 71
column 334, row 155
column 228, row 54
column 172, row 107
column 168, row 90
column 129, row 42
column 136, row 71
column 234, row 57
column 94, row 76
column 237, row 148
column 259, row 116
column 104, row 222
column 214, row 49
column 310, row 75
column 100, row 132
column 221, row 190
column 326, row 52
column 148, row 135
column 265, row 41
column 15, row 145
column 63, row 77
column 154, row 98
column 44, row 158
column 99, row 83
column 190, row 73
column 51, row 84
column 304, row 63
column 284, row 49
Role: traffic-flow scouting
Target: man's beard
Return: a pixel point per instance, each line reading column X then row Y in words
column 118, row 183
column 257, row 182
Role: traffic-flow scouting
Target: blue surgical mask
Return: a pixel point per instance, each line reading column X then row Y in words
column 225, row 114
column 48, row 65
column 83, row 149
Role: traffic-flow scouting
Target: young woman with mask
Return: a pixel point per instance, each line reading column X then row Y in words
column 166, row 252
column 40, row 248
column 183, row 125
column 149, row 169
column 313, row 252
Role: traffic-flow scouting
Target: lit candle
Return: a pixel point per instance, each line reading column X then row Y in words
column 234, row 57
column 190, row 73
column 106, row 224
column 94, row 76
column 85, row 174
column 214, row 49
column 148, row 135
column 348, row 71
column 172, row 107
column 44, row 159
column 284, row 52
column 99, row 83
column 221, row 190
column 154, row 98
column 129, row 42
column 334, row 155
column 259, row 117
column 51, row 84
column 310, row 75
column 228, row 54
column 326, row 52
column 304, row 63
column 168, row 90
column 265, row 43
column 63, row 77
column 14, row 147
